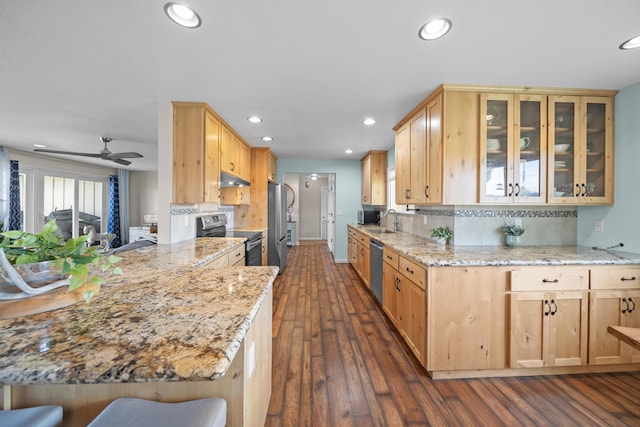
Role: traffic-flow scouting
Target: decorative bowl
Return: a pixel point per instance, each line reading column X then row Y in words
column 559, row 148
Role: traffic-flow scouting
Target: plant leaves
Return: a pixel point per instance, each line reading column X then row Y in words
column 116, row 270
column 26, row 259
column 75, row 282
column 88, row 294
column 114, row 259
column 12, row 234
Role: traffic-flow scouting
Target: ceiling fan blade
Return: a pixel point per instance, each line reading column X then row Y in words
column 70, row 153
column 121, row 162
column 127, row 155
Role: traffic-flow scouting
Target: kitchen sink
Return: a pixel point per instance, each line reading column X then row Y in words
column 381, row 231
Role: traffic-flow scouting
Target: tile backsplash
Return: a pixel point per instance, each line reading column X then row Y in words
column 474, row 225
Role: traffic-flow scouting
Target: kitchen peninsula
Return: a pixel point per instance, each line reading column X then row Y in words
column 172, row 328
column 474, row 311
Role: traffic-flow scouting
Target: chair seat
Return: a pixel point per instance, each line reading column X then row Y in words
column 146, row 413
column 38, row 416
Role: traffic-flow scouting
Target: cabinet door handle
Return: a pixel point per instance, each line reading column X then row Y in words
column 407, row 194
column 426, row 191
column 517, row 189
column 364, row 198
column 546, row 304
column 409, row 270
column 624, row 310
column 555, row 307
column 361, row 251
column 633, row 307
column 233, row 166
column 578, row 187
column 550, row 281
column 510, row 190
column 389, row 257
column 241, row 196
column 625, row 279
column 584, row 191
column 397, row 283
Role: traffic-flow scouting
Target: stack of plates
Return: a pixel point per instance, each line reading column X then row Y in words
column 560, row 164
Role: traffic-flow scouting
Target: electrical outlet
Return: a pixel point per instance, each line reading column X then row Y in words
column 598, row 226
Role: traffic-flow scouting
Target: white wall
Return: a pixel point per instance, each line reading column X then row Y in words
column 143, row 195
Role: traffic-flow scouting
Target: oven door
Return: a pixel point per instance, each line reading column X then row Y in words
column 253, row 253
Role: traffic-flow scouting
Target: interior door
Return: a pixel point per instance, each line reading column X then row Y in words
column 324, row 213
column 331, row 213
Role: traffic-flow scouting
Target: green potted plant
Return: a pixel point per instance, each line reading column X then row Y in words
column 512, row 234
column 71, row 258
column 441, row 234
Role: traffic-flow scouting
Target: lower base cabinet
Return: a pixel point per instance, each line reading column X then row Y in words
column 467, row 324
column 404, row 302
column 614, row 300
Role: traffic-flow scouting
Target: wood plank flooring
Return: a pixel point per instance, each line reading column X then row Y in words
column 337, row 362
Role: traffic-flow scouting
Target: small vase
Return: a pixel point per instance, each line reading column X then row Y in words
column 441, row 241
column 512, row 240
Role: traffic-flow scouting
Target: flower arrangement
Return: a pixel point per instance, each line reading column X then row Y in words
column 441, row 233
column 513, row 230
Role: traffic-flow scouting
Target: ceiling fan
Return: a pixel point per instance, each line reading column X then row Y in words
column 104, row 154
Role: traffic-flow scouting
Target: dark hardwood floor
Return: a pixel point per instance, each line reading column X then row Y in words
column 337, row 362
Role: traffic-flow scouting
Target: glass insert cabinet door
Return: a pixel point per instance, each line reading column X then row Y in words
column 513, row 148
column 581, row 150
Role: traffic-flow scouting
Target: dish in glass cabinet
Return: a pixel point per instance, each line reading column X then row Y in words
column 560, row 148
column 559, row 193
column 560, row 163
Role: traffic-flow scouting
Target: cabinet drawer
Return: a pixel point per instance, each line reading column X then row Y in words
column 627, row 277
column 352, row 232
column 236, row 255
column 363, row 238
column 220, row 262
column 413, row 271
column 390, row 257
column 549, row 279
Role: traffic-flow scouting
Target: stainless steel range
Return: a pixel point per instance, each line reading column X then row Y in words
column 215, row 225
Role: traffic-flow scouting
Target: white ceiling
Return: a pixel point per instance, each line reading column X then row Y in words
column 72, row 71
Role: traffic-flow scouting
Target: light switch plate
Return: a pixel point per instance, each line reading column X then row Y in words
column 598, row 226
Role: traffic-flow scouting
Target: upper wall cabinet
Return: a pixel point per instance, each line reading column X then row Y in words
column 196, row 167
column 235, row 155
column 507, row 145
column 513, row 148
column 374, row 178
column 581, row 150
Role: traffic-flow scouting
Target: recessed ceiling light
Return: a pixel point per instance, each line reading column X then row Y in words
column 368, row 121
column 267, row 138
column 182, row 15
column 39, row 145
column 254, row 119
column 631, row 43
column 435, row 29
column 348, row 151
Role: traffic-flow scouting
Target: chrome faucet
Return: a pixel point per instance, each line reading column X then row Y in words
column 395, row 218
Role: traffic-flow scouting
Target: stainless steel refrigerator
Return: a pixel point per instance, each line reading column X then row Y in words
column 277, row 224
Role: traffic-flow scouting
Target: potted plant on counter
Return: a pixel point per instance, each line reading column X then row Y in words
column 512, row 234
column 38, row 262
column 441, row 234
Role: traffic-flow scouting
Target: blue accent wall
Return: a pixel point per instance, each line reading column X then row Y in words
column 621, row 221
column 347, row 192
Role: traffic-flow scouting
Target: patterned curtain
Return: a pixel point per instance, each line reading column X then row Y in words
column 114, row 211
column 15, row 215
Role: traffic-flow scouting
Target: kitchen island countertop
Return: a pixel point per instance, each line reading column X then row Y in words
column 169, row 317
column 430, row 253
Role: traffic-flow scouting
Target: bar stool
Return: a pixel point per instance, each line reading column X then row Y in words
column 38, row 416
column 132, row 412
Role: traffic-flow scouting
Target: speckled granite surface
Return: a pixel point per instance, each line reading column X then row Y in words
column 430, row 253
column 170, row 317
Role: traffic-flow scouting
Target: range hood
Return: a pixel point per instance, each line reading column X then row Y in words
column 228, row 180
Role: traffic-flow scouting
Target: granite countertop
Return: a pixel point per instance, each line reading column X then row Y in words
column 169, row 317
column 430, row 253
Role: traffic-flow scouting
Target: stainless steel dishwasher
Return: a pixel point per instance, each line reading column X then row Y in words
column 376, row 247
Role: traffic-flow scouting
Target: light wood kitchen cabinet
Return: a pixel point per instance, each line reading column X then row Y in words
column 548, row 317
column 374, row 178
column 235, row 155
column 403, row 297
column 265, row 247
column 418, row 154
column 353, row 248
column 272, row 166
column 581, row 149
column 467, row 320
column 255, row 214
column 364, row 261
column 237, row 256
column 235, row 196
column 614, row 301
column 196, row 139
column 437, row 149
column 513, row 146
